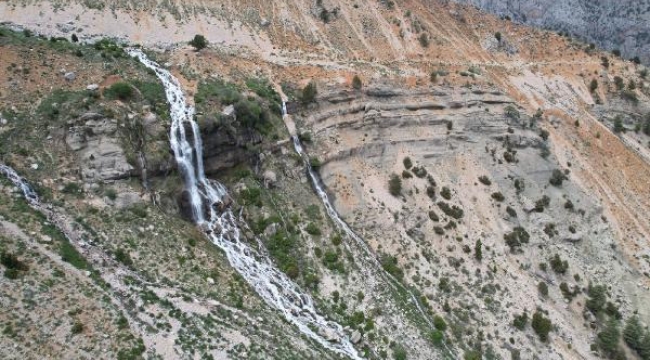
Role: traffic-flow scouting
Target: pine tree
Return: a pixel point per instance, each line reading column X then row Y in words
column 608, row 338
column 633, row 333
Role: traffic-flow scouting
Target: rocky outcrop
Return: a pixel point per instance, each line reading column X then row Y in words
column 612, row 25
column 94, row 139
column 225, row 144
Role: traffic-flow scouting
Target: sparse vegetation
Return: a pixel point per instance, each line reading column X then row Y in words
column 356, row 82
column 558, row 265
column 485, row 180
column 13, row 266
column 395, row 185
column 309, row 93
column 199, row 42
column 557, row 177
column 542, row 325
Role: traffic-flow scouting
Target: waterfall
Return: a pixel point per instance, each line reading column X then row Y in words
column 207, row 198
column 29, row 193
column 345, row 228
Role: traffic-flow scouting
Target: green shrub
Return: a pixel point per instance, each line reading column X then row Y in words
column 313, row 229
column 431, row 192
column 511, row 212
column 439, row 323
column 13, row 265
column 123, row 257
column 597, row 298
column 498, row 196
column 485, row 180
column 437, row 337
column 542, row 204
column 70, row 254
column 199, row 42
column 111, row 194
column 445, row 193
column 618, row 124
column 407, row 162
column 433, row 216
column 567, row 292
column 618, row 81
column 420, row 171
column 281, row 249
column 520, row 321
column 314, row 162
column 119, row 90
column 557, row 177
column 633, row 333
column 424, row 40
column 558, row 265
column 453, row 210
column 593, row 85
column 395, row 185
column 389, row 264
column 77, row 328
column 516, row 238
column 541, row 325
column 542, row 288
column 309, row 93
column 406, row 174
column 609, row 337
column 356, row 82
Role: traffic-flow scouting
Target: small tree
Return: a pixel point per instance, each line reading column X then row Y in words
column 520, row 321
column 356, row 82
column 593, row 85
column 497, row 36
column 408, row 163
column 618, row 124
column 74, row 38
column 542, row 288
column 609, row 337
column 199, row 42
column 633, row 333
column 542, row 325
column 557, row 178
column 309, row 93
column 597, row 298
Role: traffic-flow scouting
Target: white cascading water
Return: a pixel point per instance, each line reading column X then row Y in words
column 220, row 226
column 343, row 226
column 29, row 193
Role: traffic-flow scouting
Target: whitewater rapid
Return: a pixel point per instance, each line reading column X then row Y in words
column 207, row 198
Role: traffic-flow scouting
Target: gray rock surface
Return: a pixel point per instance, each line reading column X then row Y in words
column 98, row 149
column 611, row 24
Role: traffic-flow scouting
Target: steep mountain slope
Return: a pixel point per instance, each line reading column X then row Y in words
column 612, row 25
column 483, row 177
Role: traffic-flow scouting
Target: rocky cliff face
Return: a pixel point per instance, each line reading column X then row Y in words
column 611, row 24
